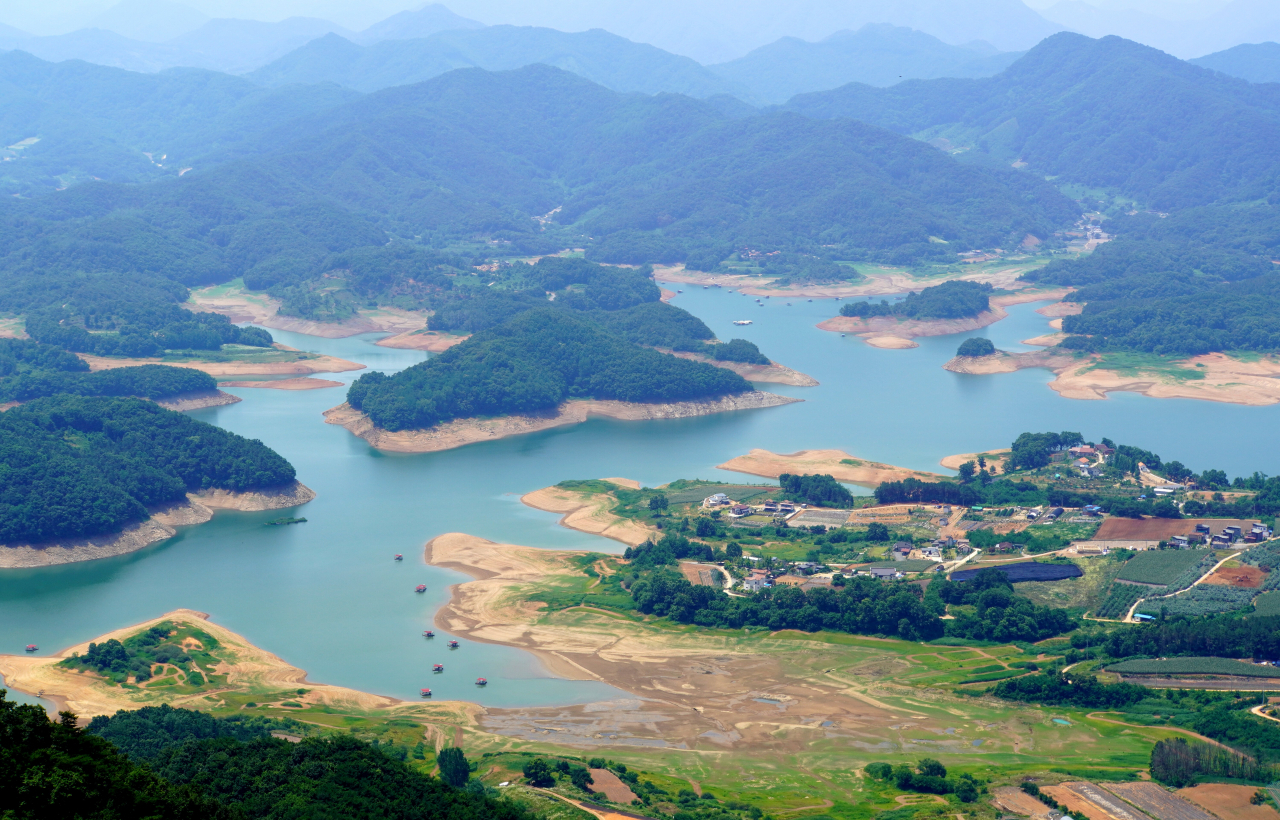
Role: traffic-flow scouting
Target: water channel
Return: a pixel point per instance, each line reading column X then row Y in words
column 326, row 596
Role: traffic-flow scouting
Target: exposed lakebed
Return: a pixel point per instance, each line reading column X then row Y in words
column 327, row 597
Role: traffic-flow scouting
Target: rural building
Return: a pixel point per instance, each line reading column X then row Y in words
column 885, row 572
column 739, row 511
column 902, row 551
column 717, row 500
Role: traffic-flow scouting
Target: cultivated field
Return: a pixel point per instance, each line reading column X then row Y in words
column 1195, row 666
column 1160, row 567
column 1268, row 604
column 1157, row 802
column 1090, row 801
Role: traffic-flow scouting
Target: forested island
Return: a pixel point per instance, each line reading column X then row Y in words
column 951, row 300
column 81, row 467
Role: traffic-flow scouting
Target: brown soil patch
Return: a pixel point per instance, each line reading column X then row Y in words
column 461, row 432
column 1158, row 802
column 429, row 340
column 1225, row 379
column 286, row 384
column 1019, row 802
column 1245, row 577
column 992, row 457
column 830, row 462
column 1090, row 801
column 590, row 512
column 1059, row 309
column 302, row 367
column 1160, row 529
column 700, row 574
column 1228, row 801
column 613, row 788
column 773, row 372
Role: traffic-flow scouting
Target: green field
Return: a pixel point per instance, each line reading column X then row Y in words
column 1267, row 604
column 1160, row 566
column 1195, row 666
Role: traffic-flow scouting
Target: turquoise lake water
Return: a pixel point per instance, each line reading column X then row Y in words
column 327, row 597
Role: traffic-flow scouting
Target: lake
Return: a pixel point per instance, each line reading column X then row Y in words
column 327, row 597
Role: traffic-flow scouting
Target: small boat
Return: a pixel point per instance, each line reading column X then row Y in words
column 420, row 588
column 453, row 644
column 399, row 557
column 742, row 321
column 481, row 682
column 426, row 693
column 841, row 335
column 32, row 647
column 679, row 291
column 427, row 633
column 810, row 300
column 437, row 667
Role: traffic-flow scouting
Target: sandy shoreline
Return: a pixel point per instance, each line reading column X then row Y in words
column 430, row 341
column 461, row 432
column 301, row 367
column 892, row 333
column 877, row 282
column 260, row 309
column 1004, row 362
column 773, row 372
column 196, row 509
column 253, row 669
column 831, row 462
column 590, row 512
column 197, row 400
column 303, row 383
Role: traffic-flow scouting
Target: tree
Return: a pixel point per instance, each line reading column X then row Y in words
column 580, row 777
column 538, row 773
column 966, row 791
column 454, row 769
column 733, row 550
column 877, row 532
column 975, row 347
column 931, row 768
column 967, row 470
column 659, row 502
column 705, row 528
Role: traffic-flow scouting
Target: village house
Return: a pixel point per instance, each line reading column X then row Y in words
column 902, row 551
column 885, row 572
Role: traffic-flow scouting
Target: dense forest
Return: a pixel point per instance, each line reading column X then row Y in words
column 137, row 330
column 819, row 490
column 1183, row 284
column 77, row 466
column 531, row 364
column 959, row 299
column 54, row 770
column 278, row 197
column 186, row 765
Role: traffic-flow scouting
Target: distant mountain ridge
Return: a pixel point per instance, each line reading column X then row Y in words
column 1255, row 62
column 599, row 56
column 1109, row 113
column 876, row 54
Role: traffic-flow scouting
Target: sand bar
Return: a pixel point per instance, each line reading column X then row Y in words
column 590, row 512
column 1004, row 362
column 830, row 462
column 460, row 432
column 250, row 669
column 303, row 383
column 883, row 328
column 196, row 509
column 1255, row 383
column 428, row 340
column 197, row 400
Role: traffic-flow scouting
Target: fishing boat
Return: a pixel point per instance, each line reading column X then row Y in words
column 420, row 588
column 453, row 644
column 481, row 682
column 32, row 647
column 427, row 633
column 437, row 667
column 426, row 693
column 399, row 557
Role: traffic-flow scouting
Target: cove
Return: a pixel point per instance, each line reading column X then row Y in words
column 327, row 597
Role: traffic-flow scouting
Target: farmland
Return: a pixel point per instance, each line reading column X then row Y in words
column 1195, row 666
column 1203, row 600
column 1120, row 598
column 1267, row 604
column 1160, row 567
column 909, row 565
column 1161, row 529
column 1157, row 802
column 1245, row 577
